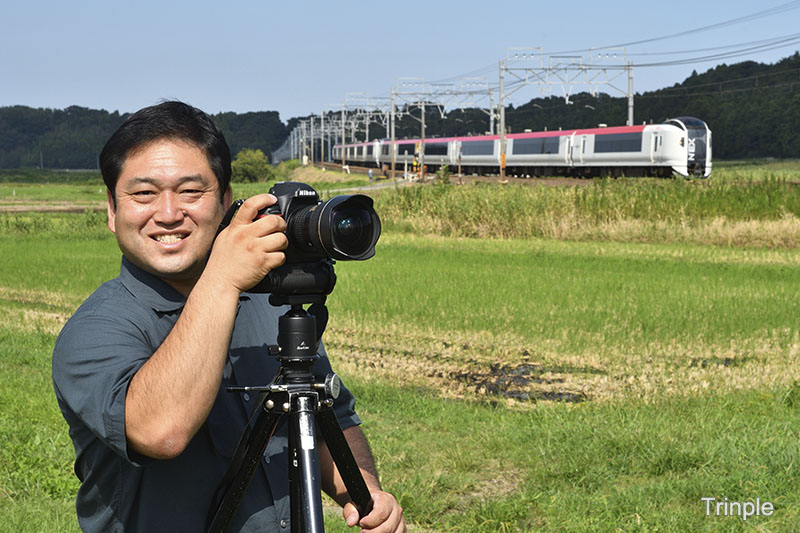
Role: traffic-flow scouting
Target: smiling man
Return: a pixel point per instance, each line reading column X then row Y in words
column 140, row 370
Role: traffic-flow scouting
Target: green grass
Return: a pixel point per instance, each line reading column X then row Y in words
column 756, row 170
column 473, row 467
column 685, row 355
column 85, row 193
column 91, row 192
column 623, row 295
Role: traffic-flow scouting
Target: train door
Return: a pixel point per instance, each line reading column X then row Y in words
column 654, row 140
column 578, row 148
column 568, row 151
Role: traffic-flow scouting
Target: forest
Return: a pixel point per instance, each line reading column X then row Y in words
column 752, row 108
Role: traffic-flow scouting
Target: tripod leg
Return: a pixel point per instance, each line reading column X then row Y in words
column 240, row 472
column 304, row 467
column 345, row 462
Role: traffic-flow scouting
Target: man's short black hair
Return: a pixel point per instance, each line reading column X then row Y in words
column 167, row 120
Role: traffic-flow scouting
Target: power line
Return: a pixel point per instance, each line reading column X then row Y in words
column 759, row 14
column 782, row 8
column 735, row 53
column 723, row 47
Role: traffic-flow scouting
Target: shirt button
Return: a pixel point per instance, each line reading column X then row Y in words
column 284, row 523
column 246, row 397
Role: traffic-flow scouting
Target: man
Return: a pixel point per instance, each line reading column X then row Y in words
column 140, row 370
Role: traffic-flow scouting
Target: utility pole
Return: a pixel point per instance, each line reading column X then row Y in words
column 311, row 138
column 391, row 126
column 344, row 139
column 422, row 145
column 630, row 93
column 502, row 123
column 322, row 138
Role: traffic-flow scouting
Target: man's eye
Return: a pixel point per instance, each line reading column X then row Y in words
column 143, row 194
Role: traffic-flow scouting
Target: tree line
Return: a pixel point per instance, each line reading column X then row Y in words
column 752, row 108
column 72, row 138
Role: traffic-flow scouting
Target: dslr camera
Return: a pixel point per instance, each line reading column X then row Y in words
column 344, row 228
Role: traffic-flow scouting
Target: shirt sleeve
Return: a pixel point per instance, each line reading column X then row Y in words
column 344, row 406
column 94, row 359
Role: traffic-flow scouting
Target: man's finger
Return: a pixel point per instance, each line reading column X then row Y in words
column 350, row 514
column 250, row 208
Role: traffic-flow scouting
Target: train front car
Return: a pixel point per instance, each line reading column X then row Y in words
column 698, row 144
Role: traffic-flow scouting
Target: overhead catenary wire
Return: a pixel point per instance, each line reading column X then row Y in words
column 742, row 48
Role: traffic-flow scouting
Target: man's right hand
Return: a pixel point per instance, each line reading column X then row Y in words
column 249, row 248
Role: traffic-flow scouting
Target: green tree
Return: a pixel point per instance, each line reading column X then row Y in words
column 251, row 165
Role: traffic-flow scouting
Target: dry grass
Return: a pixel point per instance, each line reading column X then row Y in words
column 36, row 310
column 316, row 175
column 772, row 234
column 470, row 365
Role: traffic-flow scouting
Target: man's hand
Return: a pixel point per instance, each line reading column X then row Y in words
column 248, row 249
column 386, row 515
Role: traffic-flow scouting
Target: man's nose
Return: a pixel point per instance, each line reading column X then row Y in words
column 168, row 210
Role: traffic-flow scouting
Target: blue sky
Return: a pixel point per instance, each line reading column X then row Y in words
column 300, row 57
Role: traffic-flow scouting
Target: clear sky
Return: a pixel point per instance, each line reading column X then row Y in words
column 300, row 57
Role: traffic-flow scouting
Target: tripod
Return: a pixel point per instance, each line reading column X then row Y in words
column 294, row 393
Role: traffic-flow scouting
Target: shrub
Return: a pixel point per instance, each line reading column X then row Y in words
column 251, row 165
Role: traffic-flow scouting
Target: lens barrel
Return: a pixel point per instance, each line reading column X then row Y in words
column 344, row 228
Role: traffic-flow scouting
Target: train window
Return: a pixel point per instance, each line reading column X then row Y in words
column 385, row 149
column 436, row 149
column 405, row 149
column 618, row 142
column 369, row 150
column 538, row 145
column 477, row 148
column 550, row 145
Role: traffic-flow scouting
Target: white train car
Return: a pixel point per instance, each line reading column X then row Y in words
column 680, row 146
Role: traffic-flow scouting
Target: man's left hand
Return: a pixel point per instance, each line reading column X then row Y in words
column 386, row 515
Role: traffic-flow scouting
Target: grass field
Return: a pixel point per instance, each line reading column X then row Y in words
column 514, row 384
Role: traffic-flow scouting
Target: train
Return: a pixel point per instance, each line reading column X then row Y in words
column 677, row 147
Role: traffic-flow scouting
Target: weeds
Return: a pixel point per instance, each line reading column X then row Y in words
column 757, row 214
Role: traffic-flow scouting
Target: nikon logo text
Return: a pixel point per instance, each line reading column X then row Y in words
column 743, row 510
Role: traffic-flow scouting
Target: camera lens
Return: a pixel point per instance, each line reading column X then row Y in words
column 351, row 230
column 347, row 227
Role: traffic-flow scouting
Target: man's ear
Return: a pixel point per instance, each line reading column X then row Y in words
column 111, row 209
column 227, row 198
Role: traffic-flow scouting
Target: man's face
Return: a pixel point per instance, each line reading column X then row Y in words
column 167, row 210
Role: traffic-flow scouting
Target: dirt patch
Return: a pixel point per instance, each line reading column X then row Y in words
column 527, row 382
column 464, row 366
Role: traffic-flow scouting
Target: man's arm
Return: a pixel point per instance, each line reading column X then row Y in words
column 171, row 395
column 386, row 515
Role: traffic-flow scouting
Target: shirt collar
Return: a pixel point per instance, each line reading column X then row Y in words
column 153, row 291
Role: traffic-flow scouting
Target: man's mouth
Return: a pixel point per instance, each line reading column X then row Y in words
column 171, row 239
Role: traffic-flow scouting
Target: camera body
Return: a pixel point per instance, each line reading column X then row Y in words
column 344, row 228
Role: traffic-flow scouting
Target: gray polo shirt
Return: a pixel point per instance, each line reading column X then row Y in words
column 95, row 357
